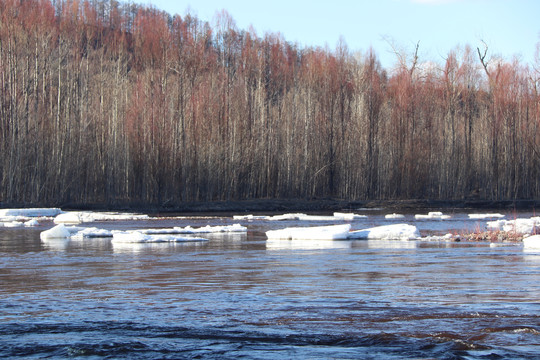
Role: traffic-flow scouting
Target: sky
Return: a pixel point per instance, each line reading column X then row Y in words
column 510, row 28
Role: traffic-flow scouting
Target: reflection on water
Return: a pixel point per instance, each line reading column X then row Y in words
column 391, row 244
column 280, row 244
column 241, row 295
column 120, row 247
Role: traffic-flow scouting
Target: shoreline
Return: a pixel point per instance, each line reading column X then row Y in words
column 297, row 205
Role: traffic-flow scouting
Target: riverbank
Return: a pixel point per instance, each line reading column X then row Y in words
column 301, row 205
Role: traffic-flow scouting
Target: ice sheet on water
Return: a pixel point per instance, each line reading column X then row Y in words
column 348, row 216
column 61, row 230
column 390, row 232
column 77, row 217
column 140, row 237
column 521, row 226
column 29, row 213
column 532, row 242
column 301, row 217
column 394, row 216
column 485, row 216
column 432, row 215
column 235, row 228
column 332, row 232
column 58, row 232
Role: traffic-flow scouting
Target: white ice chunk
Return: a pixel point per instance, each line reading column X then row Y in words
column 59, row 231
column 532, row 242
column 447, row 237
column 332, row 232
column 91, row 232
column 32, row 222
column 348, row 216
column 521, row 226
column 432, row 215
column 35, row 212
column 12, row 224
column 71, row 217
column 139, row 237
column 236, row 228
column 250, row 217
column 395, row 231
column 77, row 217
column 485, row 216
column 211, row 229
column 394, row 216
column 301, row 217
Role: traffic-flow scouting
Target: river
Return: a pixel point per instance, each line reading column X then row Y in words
column 243, row 296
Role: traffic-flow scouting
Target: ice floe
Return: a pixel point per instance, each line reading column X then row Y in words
column 532, row 242
column 520, row 226
column 332, row 232
column 341, row 232
column 485, row 216
column 58, row 232
column 77, row 217
column 29, row 213
column 394, row 216
column 156, row 235
column 302, row 217
column 387, row 232
column 140, row 237
column 348, row 216
column 432, row 215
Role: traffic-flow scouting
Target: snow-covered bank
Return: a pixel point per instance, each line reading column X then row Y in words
column 388, row 232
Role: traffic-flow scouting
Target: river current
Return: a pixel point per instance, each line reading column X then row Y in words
column 244, row 296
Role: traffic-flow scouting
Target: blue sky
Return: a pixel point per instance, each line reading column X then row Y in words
column 509, row 27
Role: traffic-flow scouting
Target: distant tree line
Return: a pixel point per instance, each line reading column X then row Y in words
column 112, row 103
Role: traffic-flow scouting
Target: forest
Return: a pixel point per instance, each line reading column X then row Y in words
column 113, row 103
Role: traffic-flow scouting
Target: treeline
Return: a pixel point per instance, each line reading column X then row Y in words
column 112, row 103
